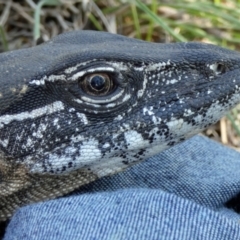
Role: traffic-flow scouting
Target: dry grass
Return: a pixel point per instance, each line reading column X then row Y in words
column 22, row 22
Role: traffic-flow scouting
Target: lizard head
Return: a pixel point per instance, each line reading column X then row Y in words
column 101, row 102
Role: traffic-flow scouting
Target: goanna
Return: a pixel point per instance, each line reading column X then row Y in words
column 89, row 104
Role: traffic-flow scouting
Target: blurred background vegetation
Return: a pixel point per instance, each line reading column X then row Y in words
column 24, row 22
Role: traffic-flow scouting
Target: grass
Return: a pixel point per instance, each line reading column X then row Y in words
column 37, row 12
column 216, row 22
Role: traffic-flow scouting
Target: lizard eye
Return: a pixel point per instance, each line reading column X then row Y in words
column 97, row 84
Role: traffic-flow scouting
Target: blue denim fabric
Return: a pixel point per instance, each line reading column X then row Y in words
column 178, row 194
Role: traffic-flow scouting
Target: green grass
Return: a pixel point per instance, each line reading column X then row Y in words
column 210, row 21
column 36, row 30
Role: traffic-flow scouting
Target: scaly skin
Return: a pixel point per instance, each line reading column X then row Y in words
column 89, row 104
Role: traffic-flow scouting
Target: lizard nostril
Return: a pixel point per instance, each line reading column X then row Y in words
column 221, row 68
column 218, row 68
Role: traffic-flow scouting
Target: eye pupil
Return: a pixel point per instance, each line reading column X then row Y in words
column 97, row 82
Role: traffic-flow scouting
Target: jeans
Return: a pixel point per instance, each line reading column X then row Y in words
column 180, row 193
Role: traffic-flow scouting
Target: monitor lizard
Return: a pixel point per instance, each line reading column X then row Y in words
column 88, row 104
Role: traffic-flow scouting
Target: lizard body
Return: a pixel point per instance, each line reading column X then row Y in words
column 89, row 104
